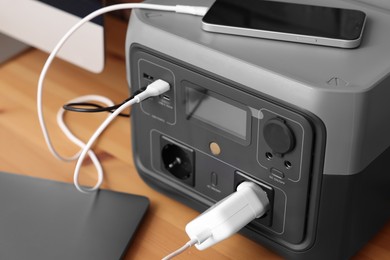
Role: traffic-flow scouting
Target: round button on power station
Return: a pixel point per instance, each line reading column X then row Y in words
column 278, row 136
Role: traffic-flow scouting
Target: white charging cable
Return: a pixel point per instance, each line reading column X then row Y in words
column 226, row 217
column 220, row 221
column 72, row 137
column 193, row 10
column 156, row 88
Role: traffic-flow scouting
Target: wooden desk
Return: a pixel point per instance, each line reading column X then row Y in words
column 23, row 150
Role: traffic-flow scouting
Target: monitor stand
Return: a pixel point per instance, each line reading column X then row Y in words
column 10, row 47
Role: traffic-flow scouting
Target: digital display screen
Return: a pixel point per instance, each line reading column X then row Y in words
column 286, row 17
column 211, row 109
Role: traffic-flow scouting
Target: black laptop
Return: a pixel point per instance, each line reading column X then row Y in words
column 42, row 219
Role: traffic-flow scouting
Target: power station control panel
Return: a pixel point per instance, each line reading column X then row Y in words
column 207, row 135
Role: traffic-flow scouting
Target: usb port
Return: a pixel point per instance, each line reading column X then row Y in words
column 148, row 77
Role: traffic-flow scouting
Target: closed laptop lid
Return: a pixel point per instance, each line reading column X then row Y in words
column 42, row 219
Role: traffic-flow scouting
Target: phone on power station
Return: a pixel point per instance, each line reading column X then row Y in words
column 320, row 25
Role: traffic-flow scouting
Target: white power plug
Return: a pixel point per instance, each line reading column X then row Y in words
column 229, row 215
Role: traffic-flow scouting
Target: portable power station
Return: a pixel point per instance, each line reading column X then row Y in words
column 309, row 124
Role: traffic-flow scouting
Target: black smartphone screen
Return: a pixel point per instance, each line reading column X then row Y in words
column 291, row 18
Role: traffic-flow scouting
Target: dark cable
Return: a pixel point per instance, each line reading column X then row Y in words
column 89, row 107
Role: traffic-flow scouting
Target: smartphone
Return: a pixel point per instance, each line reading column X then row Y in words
column 286, row 21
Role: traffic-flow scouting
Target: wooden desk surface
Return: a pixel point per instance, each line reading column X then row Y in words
column 23, row 150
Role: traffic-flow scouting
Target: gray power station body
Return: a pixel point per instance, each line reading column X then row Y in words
column 310, row 124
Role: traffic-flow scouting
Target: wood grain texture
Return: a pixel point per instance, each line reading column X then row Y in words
column 23, row 151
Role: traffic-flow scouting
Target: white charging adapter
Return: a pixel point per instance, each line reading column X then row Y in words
column 229, row 215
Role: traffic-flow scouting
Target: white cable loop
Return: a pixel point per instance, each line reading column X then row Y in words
column 92, row 140
column 61, row 123
column 64, row 128
column 200, row 11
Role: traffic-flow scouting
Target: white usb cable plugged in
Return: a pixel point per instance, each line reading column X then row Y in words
column 216, row 224
column 193, row 10
column 226, row 217
column 74, row 139
column 156, row 88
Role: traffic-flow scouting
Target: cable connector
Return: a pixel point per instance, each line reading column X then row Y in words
column 229, row 215
column 194, row 10
column 156, row 88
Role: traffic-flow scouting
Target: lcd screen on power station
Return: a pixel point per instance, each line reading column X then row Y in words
column 217, row 113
